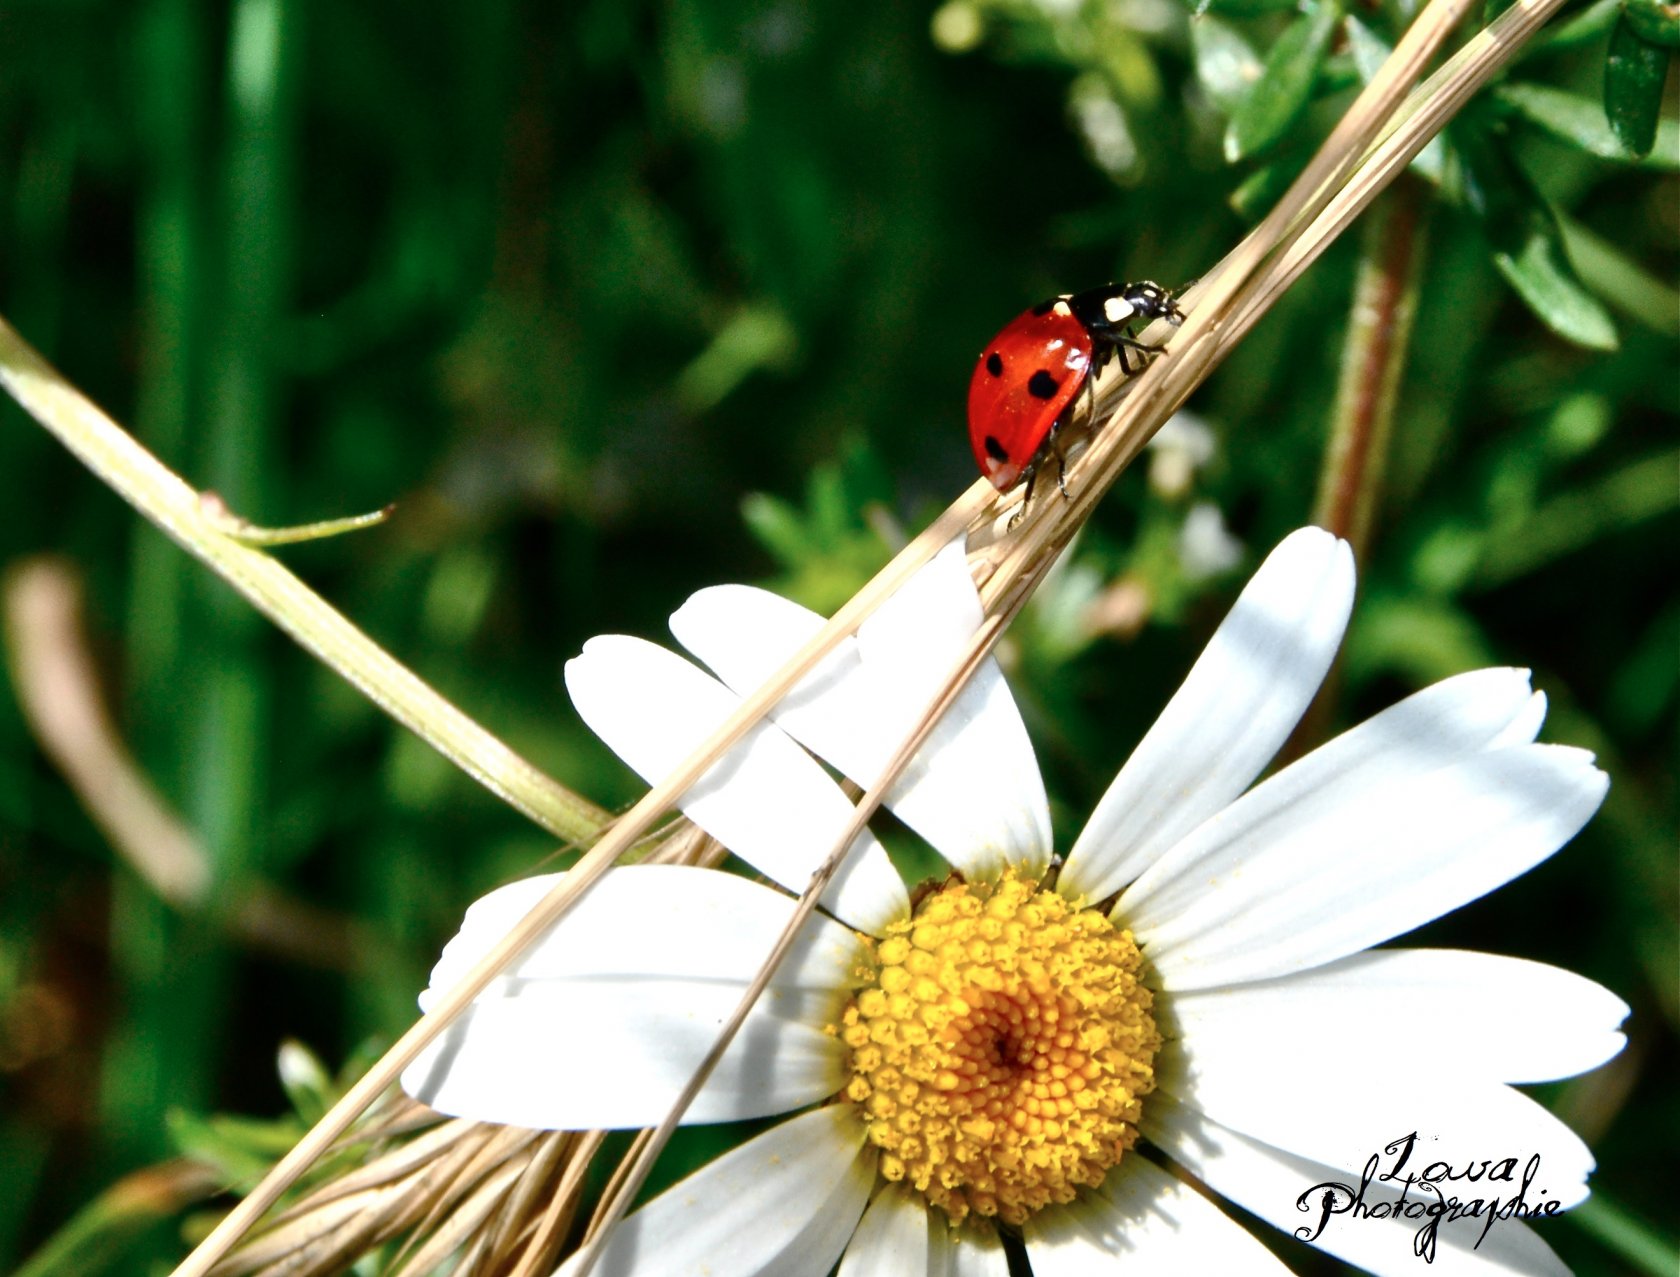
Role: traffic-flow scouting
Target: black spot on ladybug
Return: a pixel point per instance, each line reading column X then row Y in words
column 994, row 449
column 1041, row 385
column 1044, row 308
column 994, row 364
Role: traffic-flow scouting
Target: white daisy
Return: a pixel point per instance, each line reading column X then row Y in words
column 1026, row 1049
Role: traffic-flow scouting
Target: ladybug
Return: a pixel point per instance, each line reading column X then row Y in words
column 1028, row 376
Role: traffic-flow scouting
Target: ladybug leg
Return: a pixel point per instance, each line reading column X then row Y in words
column 1100, row 356
column 1050, row 448
column 1031, row 475
column 1142, row 351
column 1146, row 350
column 1053, row 448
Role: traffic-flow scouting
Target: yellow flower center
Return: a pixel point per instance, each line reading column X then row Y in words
column 1001, row 1053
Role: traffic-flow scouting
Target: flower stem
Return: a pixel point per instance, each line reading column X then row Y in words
column 1361, row 423
column 164, row 498
column 1373, row 358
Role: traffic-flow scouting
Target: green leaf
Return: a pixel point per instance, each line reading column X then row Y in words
column 305, row 1080
column 1638, row 493
column 1286, row 82
column 1336, row 74
column 1226, row 64
column 1543, row 277
column 1527, row 245
column 242, row 1148
column 1587, row 27
column 1368, row 49
column 776, row 525
column 1654, row 22
column 1622, row 280
column 107, row 1234
column 1263, row 187
column 1418, row 638
column 757, row 336
column 1245, row 8
column 1579, row 120
column 1646, row 684
column 1633, row 85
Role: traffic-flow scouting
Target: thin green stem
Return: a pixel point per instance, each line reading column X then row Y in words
column 171, row 968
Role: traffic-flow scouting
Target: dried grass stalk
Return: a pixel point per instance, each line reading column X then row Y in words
column 1341, row 180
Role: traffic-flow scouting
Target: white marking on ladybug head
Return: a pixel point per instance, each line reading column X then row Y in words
column 1061, row 309
column 1117, row 310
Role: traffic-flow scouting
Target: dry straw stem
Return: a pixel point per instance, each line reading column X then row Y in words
column 618, row 839
column 533, row 1219
column 620, row 1185
column 459, row 1185
column 1340, row 182
column 203, row 529
column 452, row 1226
column 58, row 690
column 617, row 1201
column 1420, row 118
column 1222, row 308
column 1343, row 177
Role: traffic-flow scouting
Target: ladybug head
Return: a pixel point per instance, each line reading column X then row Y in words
column 1148, row 300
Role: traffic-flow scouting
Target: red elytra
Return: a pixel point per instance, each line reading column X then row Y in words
column 1027, row 378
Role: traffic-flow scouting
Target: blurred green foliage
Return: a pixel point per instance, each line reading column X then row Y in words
column 618, row 300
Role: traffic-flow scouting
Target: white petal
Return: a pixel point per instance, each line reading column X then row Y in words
column 974, row 791
column 599, row 1054
column 900, row 1237
column 1525, row 726
column 1275, row 891
column 665, row 921
column 892, row 1238
column 1443, row 723
column 921, row 630
column 766, row 800
column 1238, row 705
column 601, row 1022
column 1497, row 1019
column 1341, row 1117
column 966, row 1252
column 1142, row 1222
column 785, row 1202
column 1288, row 1191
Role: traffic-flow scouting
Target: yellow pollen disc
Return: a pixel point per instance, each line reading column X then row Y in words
column 1002, row 1052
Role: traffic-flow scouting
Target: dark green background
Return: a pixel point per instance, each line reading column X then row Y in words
column 572, row 284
